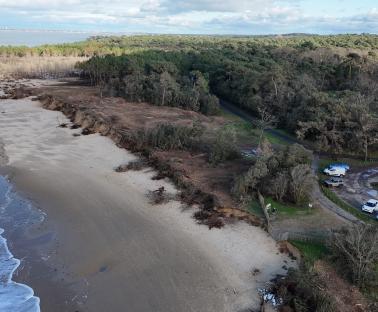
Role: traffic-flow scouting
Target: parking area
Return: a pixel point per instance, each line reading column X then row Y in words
column 359, row 187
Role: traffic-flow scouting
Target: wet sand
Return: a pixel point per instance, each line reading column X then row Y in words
column 109, row 249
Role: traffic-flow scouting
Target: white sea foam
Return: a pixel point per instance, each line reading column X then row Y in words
column 14, row 297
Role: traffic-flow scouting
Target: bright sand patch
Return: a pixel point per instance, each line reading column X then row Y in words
column 119, row 252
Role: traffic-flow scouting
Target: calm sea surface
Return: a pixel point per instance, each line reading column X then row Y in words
column 35, row 38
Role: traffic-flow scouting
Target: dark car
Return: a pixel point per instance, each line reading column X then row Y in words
column 334, row 182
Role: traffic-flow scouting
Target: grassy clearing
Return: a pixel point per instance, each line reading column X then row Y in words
column 230, row 116
column 255, row 209
column 275, row 140
column 244, row 131
column 280, row 140
column 311, row 251
column 288, row 210
column 248, row 134
column 342, row 204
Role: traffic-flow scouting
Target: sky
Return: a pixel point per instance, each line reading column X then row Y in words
column 241, row 17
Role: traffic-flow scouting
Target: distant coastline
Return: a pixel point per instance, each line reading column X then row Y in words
column 31, row 38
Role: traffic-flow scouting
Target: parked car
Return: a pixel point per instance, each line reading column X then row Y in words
column 334, row 182
column 335, row 171
column 340, row 165
column 370, row 206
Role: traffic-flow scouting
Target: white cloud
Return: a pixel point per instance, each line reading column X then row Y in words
column 187, row 16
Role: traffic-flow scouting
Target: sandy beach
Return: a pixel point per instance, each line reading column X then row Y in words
column 107, row 248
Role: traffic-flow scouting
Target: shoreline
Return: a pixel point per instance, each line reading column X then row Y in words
column 30, row 238
column 185, row 253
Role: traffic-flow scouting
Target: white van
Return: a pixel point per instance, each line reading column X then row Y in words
column 335, row 171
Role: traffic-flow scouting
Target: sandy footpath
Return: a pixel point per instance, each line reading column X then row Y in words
column 112, row 250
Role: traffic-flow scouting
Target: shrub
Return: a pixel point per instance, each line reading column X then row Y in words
column 355, row 248
column 171, row 137
column 224, row 147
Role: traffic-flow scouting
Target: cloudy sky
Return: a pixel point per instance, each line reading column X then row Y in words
column 193, row 16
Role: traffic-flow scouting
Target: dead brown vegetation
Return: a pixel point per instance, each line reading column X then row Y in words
column 37, row 67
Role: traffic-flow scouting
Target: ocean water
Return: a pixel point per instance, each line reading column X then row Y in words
column 35, row 38
column 16, row 214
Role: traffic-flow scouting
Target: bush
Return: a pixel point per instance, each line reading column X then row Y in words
column 224, row 147
column 171, row 137
column 355, row 248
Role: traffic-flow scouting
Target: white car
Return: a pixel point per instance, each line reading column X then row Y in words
column 335, row 171
column 370, row 206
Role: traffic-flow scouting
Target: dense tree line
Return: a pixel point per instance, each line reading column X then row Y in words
column 322, row 88
column 152, row 78
column 126, row 44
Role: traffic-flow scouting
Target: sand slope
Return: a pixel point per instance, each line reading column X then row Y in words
column 115, row 250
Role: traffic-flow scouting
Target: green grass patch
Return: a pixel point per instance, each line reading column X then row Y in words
column 255, row 209
column 288, row 210
column 275, row 140
column 245, row 132
column 342, row 204
column 311, row 251
column 230, row 116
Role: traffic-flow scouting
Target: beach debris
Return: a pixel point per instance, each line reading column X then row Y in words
column 76, row 134
column 159, row 176
column 135, row 165
column 63, row 125
column 86, row 131
column 215, row 221
column 268, row 296
column 160, row 196
column 211, row 218
column 255, row 272
column 74, row 126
